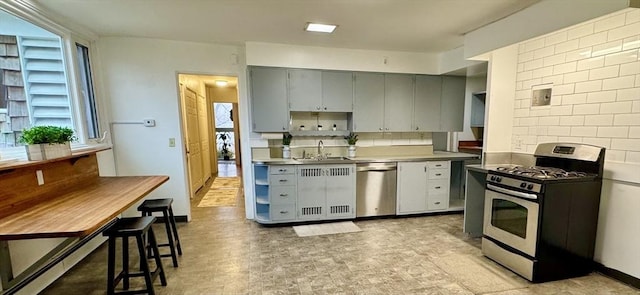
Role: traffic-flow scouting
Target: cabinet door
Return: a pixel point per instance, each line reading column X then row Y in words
column 412, row 187
column 452, row 103
column 426, row 113
column 477, row 109
column 269, row 100
column 311, row 192
column 341, row 194
column 398, row 102
column 368, row 111
column 305, row 90
column 337, row 91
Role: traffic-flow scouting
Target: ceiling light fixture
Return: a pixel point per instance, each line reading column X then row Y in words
column 322, row 28
column 221, row 83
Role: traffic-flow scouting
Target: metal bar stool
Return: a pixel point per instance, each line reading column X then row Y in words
column 136, row 227
column 164, row 205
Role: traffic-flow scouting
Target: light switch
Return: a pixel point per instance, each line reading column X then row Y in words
column 40, row 177
column 172, row 142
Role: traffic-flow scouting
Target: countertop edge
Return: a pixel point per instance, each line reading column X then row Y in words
column 437, row 156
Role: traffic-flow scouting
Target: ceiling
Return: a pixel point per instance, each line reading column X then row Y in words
column 396, row 25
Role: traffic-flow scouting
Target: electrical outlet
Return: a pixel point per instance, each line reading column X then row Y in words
column 172, row 142
column 149, row 122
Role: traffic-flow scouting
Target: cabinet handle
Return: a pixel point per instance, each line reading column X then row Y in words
column 437, row 203
column 282, row 170
column 417, row 128
column 380, row 128
column 438, row 174
column 325, row 108
column 284, row 212
column 386, row 128
column 284, row 195
column 283, row 180
column 317, row 108
column 438, row 165
column 437, row 187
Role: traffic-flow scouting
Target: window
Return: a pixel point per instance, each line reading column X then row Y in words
column 88, row 97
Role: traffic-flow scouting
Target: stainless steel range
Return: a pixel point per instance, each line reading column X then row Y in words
column 541, row 221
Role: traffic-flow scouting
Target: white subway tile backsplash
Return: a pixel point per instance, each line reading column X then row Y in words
column 538, row 130
column 547, row 51
column 580, row 76
column 521, row 48
column 559, row 131
column 603, row 142
column 606, row 48
column 561, row 110
column 539, row 111
column 630, row 68
column 602, row 96
column 522, row 94
column 594, row 39
column 572, row 120
column 624, row 32
column 626, row 144
column 525, row 57
column 567, row 46
column 636, row 106
column 569, row 139
column 579, row 54
column 591, row 63
column 603, row 73
column 609, row 23
column 589, row 86
column 586, row 109
column 526, row 75
column 556, row 79
column 520, row 68
column 527, row 84
column 584, row 131
column 563, row 89
column 520, row 113
column 580, row 31
column 525, row 103
column 533, row 45
column 632, row 157
column 520, row 130
column 542, row 72
column 615, row 156
column 633, row 16
column 618, row 83
column 531, row 121
column 638, row 80
column 542, row 139
column 574, row 99
column 631, row 43
column 634, row 132
column 628, row 94
column 533, row 64
column 626, row 119
column 549, row 121
column 598, row 120
column 621, row 57
column 555, row 38
column 613, row 132
column 565, row 68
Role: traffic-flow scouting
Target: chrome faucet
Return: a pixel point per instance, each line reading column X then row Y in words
column 320, row 149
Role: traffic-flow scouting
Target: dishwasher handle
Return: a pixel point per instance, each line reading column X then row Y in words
column 382, row 167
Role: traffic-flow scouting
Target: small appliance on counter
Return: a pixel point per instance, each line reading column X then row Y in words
column 541, row 221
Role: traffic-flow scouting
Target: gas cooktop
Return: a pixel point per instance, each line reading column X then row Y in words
column 539, row 172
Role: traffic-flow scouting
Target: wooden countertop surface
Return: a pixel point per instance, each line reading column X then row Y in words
column 80, row 211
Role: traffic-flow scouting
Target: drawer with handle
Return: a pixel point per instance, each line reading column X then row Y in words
column 438, row 202
column 438, row 173
column 283, row 212
column 438, row 164
column 438, row 187
column 282, row 169
column 283, row 194
column 282, row 179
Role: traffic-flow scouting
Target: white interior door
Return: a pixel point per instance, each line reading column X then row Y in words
column 194, row 155
column 203, row 128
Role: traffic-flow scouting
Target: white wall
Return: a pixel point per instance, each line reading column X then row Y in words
column 594, row 70
column 140, row 81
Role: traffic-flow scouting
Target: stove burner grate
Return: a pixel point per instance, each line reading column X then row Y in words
column 542, row 172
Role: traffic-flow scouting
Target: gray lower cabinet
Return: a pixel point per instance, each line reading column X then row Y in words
column 269, row 109
column 276, row 193
column 423, row 187
column 326, row 191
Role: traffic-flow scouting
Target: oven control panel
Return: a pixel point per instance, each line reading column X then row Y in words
column 519, row 184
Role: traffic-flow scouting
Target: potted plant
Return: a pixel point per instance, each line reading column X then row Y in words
column 286, row 141
column 352, row 138
column 47, row 142
column 224, row 148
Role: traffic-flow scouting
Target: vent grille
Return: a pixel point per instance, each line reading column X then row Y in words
column 310, row 211
column 310, row 172
column 339, row 171
column 341, row 209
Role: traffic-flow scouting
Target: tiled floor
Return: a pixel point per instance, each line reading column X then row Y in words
column 226, row 254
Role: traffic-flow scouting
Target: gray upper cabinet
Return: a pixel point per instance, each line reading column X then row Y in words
column 337, row 91
column 320, row 91
column 368, row 115
column 398, row 102
column 477, row 109
column 452, row 103
column 305, row 90
column 269, row 110
column 426, row 113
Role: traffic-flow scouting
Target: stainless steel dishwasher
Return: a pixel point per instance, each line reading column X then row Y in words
column 376, row 189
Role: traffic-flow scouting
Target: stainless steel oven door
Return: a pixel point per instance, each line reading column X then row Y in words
column 511, row 220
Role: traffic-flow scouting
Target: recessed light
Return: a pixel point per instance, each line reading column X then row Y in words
column 322, row 28
column 221, row 83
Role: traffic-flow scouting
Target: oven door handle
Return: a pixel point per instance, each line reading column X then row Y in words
column 512, row 193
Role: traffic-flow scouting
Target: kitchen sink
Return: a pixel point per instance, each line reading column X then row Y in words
column 324, row 160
